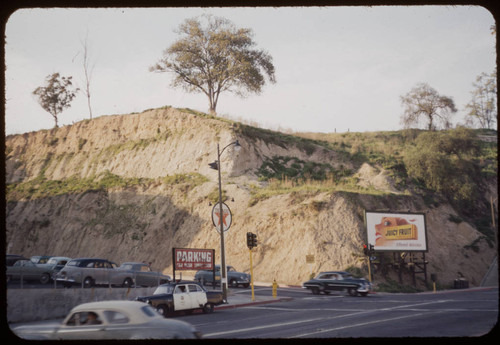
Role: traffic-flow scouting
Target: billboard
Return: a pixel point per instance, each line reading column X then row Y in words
column 396, row 231
column 193, row 259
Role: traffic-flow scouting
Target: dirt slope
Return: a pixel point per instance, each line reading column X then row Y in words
column 145, row 221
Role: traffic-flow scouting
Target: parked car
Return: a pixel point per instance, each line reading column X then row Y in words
column 338, row 281
column 138, row 274
column 55, row 263
column 183, row 295
column 86, row 272
column 10, row 259
column 25, row 269
column 234, row 278
column 111, row 320
column 40, row 259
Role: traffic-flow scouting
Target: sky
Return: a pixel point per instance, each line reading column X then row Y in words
column 337, row 69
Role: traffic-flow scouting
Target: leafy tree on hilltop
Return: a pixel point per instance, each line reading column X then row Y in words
column 216, row 58
column 56, row 95
column 447, row 163
column 424, row 101
column 482, row 108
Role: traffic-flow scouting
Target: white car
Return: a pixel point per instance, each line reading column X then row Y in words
column 111, row 320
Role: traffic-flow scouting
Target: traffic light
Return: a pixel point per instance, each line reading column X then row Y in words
column 370, row 248
column 254, row 240
column 365, row 249
column 251, row 240
column 214, row 165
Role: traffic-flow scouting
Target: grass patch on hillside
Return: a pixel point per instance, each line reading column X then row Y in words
column 308, row 187
column 42, row 187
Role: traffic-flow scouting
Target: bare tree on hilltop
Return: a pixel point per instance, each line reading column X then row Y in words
column 56, row 95
column 216, row 58
column 424, row 101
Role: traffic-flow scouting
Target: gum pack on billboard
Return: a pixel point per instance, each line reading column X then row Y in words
column 396, row 231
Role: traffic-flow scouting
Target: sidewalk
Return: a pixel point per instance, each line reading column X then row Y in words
column 236, row 299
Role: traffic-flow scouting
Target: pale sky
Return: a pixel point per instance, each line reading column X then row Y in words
column 337, row 68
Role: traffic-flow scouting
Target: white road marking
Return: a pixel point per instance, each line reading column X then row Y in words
column 355, row 325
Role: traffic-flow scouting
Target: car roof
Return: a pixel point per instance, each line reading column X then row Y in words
column 61, row 257
column 107, row 304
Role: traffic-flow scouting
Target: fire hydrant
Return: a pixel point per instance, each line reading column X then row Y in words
column 275, row 288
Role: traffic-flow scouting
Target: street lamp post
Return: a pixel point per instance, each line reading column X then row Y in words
column 221, row 223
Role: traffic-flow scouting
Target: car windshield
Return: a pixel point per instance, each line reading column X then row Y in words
column 167, row 289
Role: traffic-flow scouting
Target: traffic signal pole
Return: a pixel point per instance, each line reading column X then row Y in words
column 251, row 274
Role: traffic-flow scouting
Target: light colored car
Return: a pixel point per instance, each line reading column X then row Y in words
column 25, row 269
column 40, row 259
column 87, row 272
column 55, row 263
column 138, row 274
column 111, row 320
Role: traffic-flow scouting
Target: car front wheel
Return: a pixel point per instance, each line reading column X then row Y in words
column 88, row 282
column 352, row 292
column 315, row 290
column 208, row 308
column 162, row 309
column 127, row 283
column 44, row 278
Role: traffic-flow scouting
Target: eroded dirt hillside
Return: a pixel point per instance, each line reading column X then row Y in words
column 144, row 220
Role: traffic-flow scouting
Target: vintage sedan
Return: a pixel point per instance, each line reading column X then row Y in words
column 327, row 282
column 137, row 274
column 235, row 278
column 87, row 272
column 55, row 263
column 25, row 269
column 110, row 320
column 183, row 295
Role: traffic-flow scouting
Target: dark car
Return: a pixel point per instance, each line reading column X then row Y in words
column 25, row 269
column 183, row 295
column 234, row 277
column 338, row 281
column 10, row 259
column 86, row 272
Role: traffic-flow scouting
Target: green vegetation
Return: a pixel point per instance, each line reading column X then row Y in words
column 40, row 187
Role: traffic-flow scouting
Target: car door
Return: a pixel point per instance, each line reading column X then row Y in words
column 182, row 299
column 197, row 296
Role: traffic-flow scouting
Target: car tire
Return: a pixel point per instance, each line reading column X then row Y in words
column 44, row 278
column 315, row 290
column 127, row 283
column 208, row 308
column 246, row 285
column 363, row 293
column 9, row 278
column 162, row 309
column 352, row 291
column 233, row 283
column 88, row 282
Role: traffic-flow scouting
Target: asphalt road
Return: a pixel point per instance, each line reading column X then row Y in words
column 457, row 313
column 302, row 315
